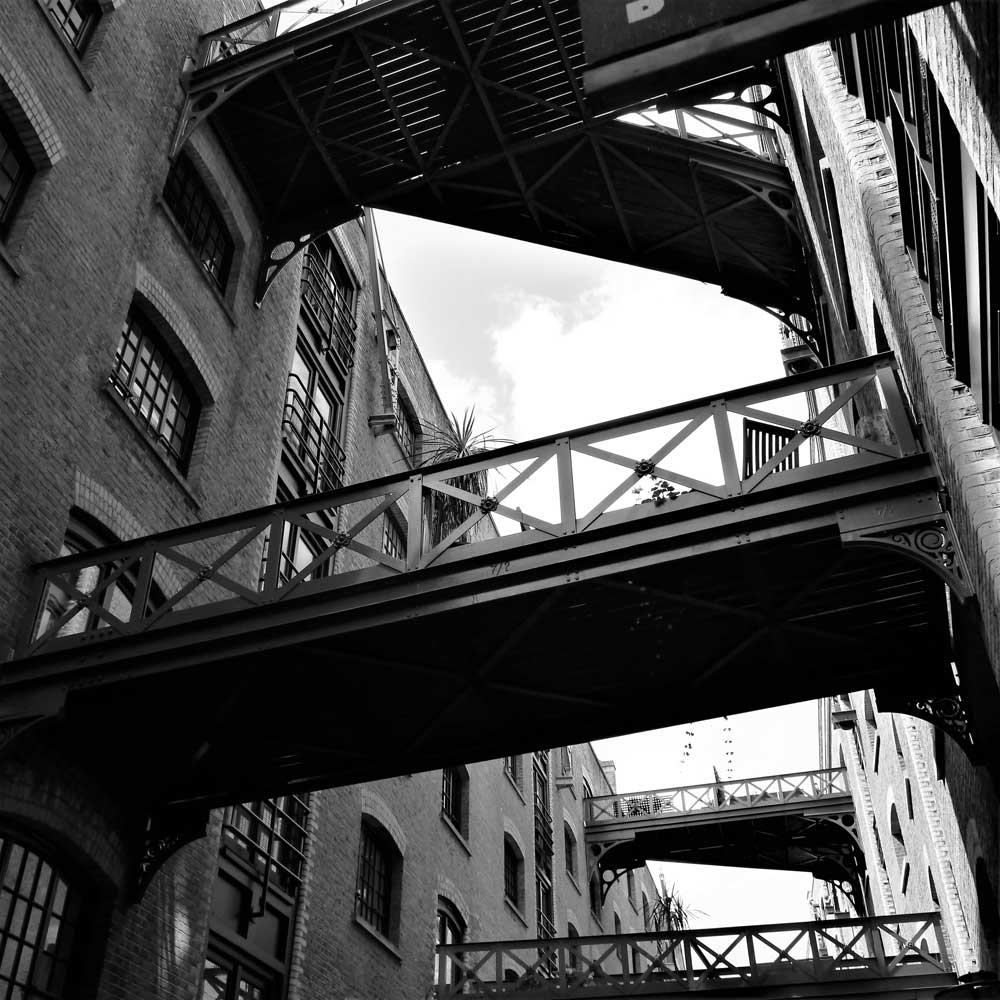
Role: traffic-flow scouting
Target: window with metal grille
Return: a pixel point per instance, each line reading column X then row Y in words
column 454, row 796
column 16, row 171
column 154, row 389
column 188, row 199
column 75, row 20
column 513, row 873
column 328, row 294
column 271, row 835
column 393, row 538
column 41, row 916
column 406, row 430
column 376, row 882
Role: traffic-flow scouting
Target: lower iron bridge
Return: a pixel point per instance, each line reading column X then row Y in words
column 843, row 958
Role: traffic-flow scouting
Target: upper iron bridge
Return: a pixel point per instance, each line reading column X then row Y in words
column 539, row 599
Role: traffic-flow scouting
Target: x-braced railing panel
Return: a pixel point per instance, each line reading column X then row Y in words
column 717, row 796
column 855, row 951
column 676, row 462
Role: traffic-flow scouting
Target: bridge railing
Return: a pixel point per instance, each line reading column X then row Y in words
column 717, row 796
column 873, row 949
column 661, row 469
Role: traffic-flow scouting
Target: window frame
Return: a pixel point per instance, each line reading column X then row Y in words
column 447, row 916
column 149, row 333
column 26, row 171
column 455, row 798
column 184, row 182
column 513, row 873
column 385, row 854
column 78, row 43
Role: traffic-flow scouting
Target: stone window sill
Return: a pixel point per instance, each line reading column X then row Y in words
column 71, row 53
column 514, row 909
column 514, row 785
column 380, row 938
column 456, row 833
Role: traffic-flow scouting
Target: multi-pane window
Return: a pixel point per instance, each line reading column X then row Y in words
column 393, row 538
column 450, row 931
column 569, row 844
column 201, row 222
column 406, row 431
column 154, row 389
column 311, row 421
column 374, row 900
column 271, row 833
column 40, row 914
column 513, row 872
column 230, row 978
column 75, row 19
column 15, row 172
column 453, row 795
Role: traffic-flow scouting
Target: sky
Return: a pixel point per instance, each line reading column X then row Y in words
column 540, row 341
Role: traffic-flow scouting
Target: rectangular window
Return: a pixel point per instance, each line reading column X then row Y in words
column 75, row 20
column 512, row 765
column 188, row 199
column 228, row 978
column 147, row 378
column 452, row 791
column 328, row 294
column 15, row 172
column 393, row 539
column 511, row 874
column 374, row 895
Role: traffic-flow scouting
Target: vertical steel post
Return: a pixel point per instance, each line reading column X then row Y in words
column 567, row 492
column 727, row 453
column 140, row 599
column 415, row 523
column 887, row 374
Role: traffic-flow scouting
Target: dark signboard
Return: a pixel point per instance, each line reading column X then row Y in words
column 638, row 50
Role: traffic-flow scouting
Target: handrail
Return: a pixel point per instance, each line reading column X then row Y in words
column 716, row 796
column 848, row 950
column 312, row 439
column 217, row 562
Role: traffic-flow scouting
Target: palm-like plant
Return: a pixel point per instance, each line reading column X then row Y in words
column 669, row 913
column 449, row 442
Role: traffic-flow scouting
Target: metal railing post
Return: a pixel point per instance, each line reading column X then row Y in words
column 415, row 522
column 567, row 491
column 727, row 453
column 887, row 374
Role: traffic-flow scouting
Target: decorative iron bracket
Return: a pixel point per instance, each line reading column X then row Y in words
column 928, row 538
column 943, row 711
column 277, row 256
column 166, row 832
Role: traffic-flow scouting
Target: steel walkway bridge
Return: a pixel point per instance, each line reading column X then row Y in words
column 473, row 112
column 561, row 606
column 793, row 822
column 902, row 955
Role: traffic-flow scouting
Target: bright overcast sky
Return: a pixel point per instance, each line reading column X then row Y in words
column 541, row 341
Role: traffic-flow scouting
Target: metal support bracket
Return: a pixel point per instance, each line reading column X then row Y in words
column 277, row 256
column 166, row 832
column 929, row 537
column 944, row 711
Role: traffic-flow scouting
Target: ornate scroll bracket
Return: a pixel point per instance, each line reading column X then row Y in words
column 946, row 712
column 276, row 258
column 930, row 540
column 166, row 832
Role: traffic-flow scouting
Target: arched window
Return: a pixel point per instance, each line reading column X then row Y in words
column 450, row 931
column 40, row 933
column 513, row 873
column 573, row 951
column 380, row 869
column 155, row 389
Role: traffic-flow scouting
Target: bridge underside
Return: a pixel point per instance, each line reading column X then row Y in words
column 814, row 839
column 619, row 635
column 473, row 113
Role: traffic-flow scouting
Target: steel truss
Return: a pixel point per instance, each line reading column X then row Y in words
column 719, row 584
column 803, row 821
column 473, row 112
column 844, row 958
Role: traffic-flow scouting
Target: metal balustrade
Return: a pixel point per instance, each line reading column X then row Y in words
column 857, row 955
column 717, row 796
column 310, row 439
column 331, row 309
column 212, row 569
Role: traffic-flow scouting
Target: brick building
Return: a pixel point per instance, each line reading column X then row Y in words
column 894, row 151
column 143, row 390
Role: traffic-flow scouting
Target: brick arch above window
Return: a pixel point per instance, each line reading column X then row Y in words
column 180, row 333
column 373, row 805
column 21, row 105
column 512, row 831
column 446, row 889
